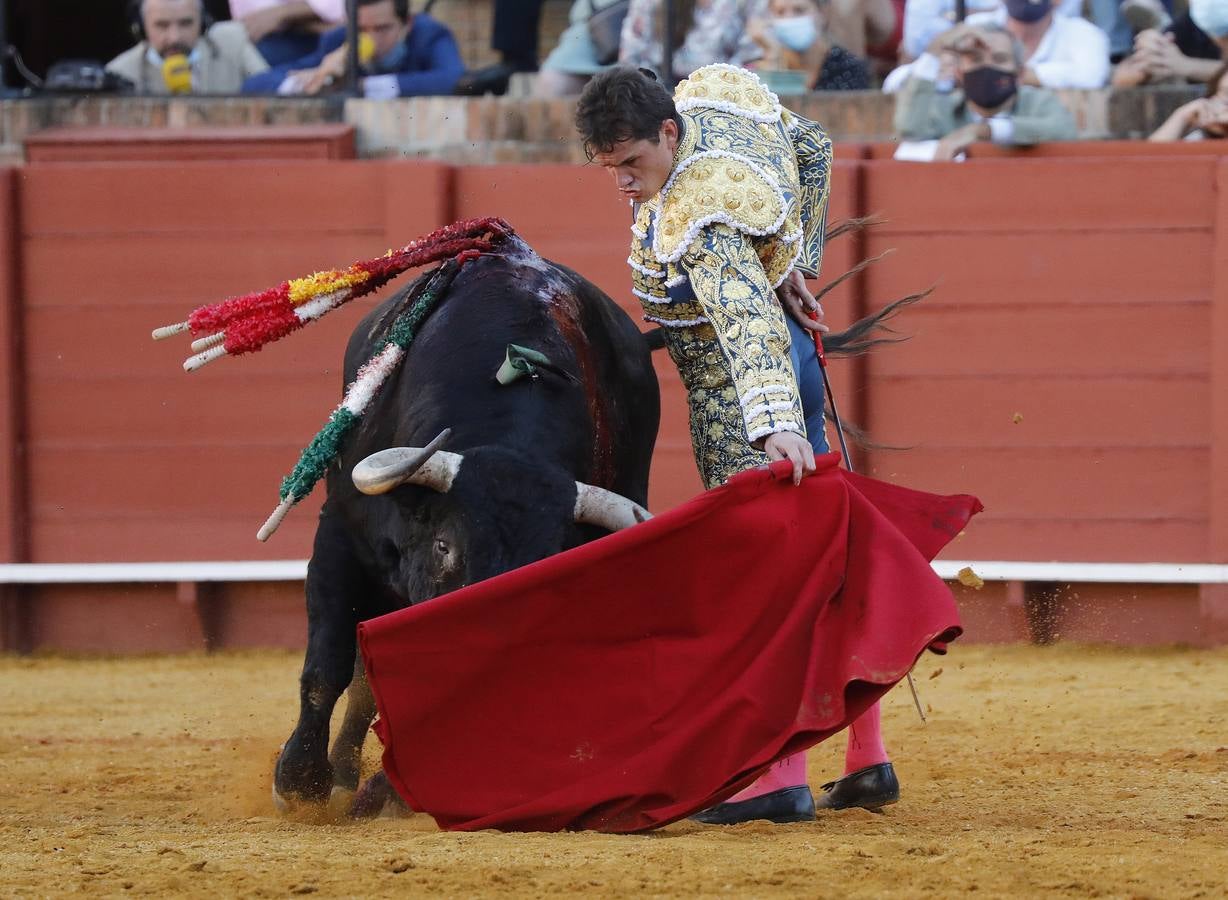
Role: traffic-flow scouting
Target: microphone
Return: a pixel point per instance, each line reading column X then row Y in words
column 177, row 74
column 366, row 49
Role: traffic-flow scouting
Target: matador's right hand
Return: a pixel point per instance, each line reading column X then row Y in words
column 791, row 446
column 800, row 303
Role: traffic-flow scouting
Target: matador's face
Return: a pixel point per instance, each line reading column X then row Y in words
column 640, row 168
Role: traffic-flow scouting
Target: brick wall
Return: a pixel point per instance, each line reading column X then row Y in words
column 470, row 21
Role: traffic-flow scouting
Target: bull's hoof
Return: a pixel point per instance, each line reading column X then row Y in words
column 298, row 786
column 378, row 800
column 340, row 801
column 279, row 802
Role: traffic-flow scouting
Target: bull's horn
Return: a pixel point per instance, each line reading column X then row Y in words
column 597, row 506
column 428, row 466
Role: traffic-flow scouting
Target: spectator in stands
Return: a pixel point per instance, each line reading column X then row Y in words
column 882, row 32
column 411, row 55
column 284, row 30
column 705, row 32
column 1061, row 52
column 1192, row 49
column 513, row 35
column 793, row 37
column 577, row 57
column 866, row 28
column 1206, row 117
column 924, row 20
column 179, row 52
column 979, row 98
column 1121, row 20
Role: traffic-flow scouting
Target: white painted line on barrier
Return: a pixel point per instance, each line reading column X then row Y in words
column 1089, row 573
column 129, row 573
column 296, row 570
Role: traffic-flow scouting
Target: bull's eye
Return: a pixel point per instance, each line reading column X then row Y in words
column 442, row 548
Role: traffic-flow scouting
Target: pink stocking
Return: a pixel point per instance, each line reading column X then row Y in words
column 784, row 773
column 865, row 746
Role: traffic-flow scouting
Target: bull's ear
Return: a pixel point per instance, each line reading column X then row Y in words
column 525, row 361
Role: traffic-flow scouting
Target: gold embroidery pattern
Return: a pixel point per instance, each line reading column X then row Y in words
column 749, row 326
column 813, row 151
column 729, row 86
column 718, row 433
column 716, row 188
column 659, row 307
column 735, row 172
column 747, row 201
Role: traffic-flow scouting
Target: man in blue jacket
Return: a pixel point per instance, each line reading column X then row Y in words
column 404, row 56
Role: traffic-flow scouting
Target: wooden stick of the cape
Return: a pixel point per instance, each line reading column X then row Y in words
column 848, row 462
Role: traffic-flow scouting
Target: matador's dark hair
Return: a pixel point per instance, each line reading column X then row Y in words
column 622, row 104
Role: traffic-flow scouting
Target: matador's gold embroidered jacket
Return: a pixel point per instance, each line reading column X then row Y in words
column 745, row 204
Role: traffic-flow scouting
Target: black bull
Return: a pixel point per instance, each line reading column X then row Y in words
column 590, row 416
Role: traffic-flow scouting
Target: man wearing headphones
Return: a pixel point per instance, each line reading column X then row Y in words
column 180, row 51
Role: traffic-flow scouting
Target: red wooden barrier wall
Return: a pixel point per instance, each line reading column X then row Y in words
column 129, row 458
column 1067, row 304
column 1069, row 367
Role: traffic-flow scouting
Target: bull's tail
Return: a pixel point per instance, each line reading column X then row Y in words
column 862, row 335
column 872, row 330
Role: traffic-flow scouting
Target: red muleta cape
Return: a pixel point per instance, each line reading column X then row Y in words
column 637, row 679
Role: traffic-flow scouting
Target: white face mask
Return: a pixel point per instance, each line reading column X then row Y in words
column 1211, row 16
column 797, row 33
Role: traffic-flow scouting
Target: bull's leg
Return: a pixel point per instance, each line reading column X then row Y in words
column 335, row 585
column 346, row 755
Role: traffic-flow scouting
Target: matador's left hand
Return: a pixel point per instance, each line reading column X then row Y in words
column 800, row 303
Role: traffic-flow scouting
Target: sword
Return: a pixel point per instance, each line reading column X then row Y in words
column 848, row 461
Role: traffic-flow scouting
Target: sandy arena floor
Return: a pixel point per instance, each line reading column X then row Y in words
column 1060, row 771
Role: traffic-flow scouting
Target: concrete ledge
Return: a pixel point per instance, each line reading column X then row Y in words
column 112, row 143
column 488, row 130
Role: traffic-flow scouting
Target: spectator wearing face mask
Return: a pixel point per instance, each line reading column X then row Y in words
column 1192, row 49
column 1060, row 52
column 1201, row 119
column 794, row 39
column 979, row 98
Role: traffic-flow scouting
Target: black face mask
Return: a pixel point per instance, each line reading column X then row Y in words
column 989, row 87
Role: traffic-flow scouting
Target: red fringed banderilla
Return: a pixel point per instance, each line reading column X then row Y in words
column 246, row 324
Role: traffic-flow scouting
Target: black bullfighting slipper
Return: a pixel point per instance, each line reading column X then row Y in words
column 794, row 804
column 870, row 788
